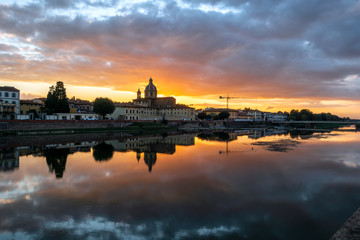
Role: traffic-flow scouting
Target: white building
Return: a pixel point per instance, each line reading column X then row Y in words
column 276, row 117
column 72, row 116
column 256, row 115
column 9, row 102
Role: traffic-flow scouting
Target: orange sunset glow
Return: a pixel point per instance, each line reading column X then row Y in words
column 273, row 56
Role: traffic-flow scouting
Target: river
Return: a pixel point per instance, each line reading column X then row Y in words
column 263, row 184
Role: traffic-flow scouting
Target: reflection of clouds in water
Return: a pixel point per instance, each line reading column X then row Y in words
column 106, row 229
column 102, row 228
column 283, row 145
column 351, row 159
column 17, row 235
column 207, row 232
column 126, row 231
column 216, row 231
column 13, row 191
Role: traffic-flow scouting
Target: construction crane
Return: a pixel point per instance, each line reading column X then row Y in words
column 227, row 100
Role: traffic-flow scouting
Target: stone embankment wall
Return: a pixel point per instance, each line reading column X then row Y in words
column 24, row 125
column 19, row 141
column 210, row 125
column 38, row 125
column 350, row 229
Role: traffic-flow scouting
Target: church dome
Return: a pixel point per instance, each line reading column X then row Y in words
column 150, row 90
column 150, row 86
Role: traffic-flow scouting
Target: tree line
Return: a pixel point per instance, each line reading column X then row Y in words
column 307, row 115
column 221, row 116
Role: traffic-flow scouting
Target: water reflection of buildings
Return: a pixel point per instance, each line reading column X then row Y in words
column 227, row 137
column 55, row 154
column 150, row 146
column 259, row 133
column 9, row 159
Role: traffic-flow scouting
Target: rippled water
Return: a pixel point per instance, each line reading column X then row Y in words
column 243, row 185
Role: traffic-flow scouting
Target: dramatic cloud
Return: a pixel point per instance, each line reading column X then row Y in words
column 273, row 49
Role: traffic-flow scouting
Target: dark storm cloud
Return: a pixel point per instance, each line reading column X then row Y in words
column 270, row 47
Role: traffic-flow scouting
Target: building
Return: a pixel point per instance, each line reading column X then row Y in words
column 152, row 107
column 149, row 147
column 80, row 106
column 244, row 117
column 72, row 116
column 31, row 108
column 9, row 102
column 274, row 117
column 256, row 115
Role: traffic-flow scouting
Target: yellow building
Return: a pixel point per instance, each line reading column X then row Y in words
column 28, row 106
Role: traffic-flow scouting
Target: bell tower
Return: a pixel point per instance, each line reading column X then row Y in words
column 138, row 94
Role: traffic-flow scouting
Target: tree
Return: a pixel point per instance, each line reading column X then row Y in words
column 56, row 100
column 56, row 160
column 223, row 115
column 294, row 115
column 103, row 151
column 103, row 106
column 202, row 115
column 305, row 115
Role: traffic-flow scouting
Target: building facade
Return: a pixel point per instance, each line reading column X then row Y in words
column 80, row 106
column 152, row 107
column 9, row 102
column 31, row 108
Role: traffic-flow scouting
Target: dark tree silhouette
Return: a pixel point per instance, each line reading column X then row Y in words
column 224, row 115
column 202, row 115
column 56, row 100
column 56, row 160
column 103, row 106
column 103, row 152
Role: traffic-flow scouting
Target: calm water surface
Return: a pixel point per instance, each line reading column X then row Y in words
column 195, row 186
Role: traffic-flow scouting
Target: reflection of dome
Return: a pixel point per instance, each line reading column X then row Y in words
column 150, row 159
column 150, row 90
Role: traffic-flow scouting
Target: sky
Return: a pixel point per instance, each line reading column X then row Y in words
column 272, row 55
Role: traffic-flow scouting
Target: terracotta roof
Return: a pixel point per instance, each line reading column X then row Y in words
column 79, row 101
column 29, row 102
column 10, row 89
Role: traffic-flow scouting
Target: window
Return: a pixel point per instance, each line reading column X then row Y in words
column 0, row 94
column 6, row 94
column 13, row 102
column 13, row 95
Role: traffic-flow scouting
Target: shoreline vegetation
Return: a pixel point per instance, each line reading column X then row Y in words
column 25, row 128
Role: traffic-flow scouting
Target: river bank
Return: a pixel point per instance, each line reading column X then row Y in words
column 50, row 127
